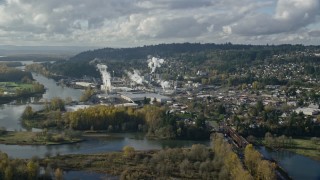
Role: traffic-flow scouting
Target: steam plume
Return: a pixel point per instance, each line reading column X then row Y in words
column 165, row 85
column 154, row 62
column 135, row 76
column 106, row 78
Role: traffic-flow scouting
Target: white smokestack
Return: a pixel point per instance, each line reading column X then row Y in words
column 106, row 78
column 154, row 62
column 135, row 76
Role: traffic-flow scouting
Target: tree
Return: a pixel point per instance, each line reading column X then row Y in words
column 315, row 140
column 256, row 85
column 184, row 166
column 128, row 151
column 244, row 86
column 251, row 158
column 27, row 113
column 198, row 152
column 32, row 168
column 57, row 104
column 58, row 174
column 200, row 121
column 8, row 174
column 234, row 166
column 221, row 109
column 236, row 121
column 265, row 170
column 87, row 94
column 251, row 139
column 146, row 100
column 26, row 79
column 259, row 106
column 268, row 138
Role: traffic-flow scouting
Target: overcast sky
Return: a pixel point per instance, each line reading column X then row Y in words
column 125, row 23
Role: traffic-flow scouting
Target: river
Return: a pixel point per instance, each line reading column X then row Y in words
column 298, row 167
column 113, row 142
column 10, row 113
column 53, row 90
column 10, row 119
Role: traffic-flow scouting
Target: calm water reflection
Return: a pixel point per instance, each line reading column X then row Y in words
column 53, row 90
column 115, row 142
column 298, row 167
column 10, row 115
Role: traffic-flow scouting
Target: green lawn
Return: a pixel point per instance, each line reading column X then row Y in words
column 307, row 148
column 14, row 85
column 302, row 146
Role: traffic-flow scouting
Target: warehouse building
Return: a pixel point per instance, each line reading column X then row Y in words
column 138, row 97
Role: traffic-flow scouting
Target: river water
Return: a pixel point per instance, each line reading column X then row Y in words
column 10, row 119
column 298, row 167
column 53, row 90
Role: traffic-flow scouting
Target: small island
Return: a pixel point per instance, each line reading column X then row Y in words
column 15, row 84
column 196, row 162
column 37, row 138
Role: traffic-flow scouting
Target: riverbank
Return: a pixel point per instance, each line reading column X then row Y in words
column 35, row 138
column 302, row 146
column 113, row 163
column 197, row 162
column 306, row 147
column 10, row 91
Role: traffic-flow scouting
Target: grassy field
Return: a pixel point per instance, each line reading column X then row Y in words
column 33, row 138
column 302, row 146
column 15, row 85
column 307, row 148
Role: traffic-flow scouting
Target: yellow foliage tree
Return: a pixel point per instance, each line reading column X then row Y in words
column 128, row 151
column 265, row 170
column 32, row 168
column 58, row 174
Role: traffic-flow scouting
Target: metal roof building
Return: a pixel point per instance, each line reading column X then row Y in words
column 134, row 97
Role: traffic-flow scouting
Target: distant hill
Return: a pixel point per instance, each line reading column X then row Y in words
column 161, row 50
column 171, row 50
column 11, row 50
column 194, row 53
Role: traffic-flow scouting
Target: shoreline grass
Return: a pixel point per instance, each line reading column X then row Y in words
column 34, row 138
column 306, row 147
column 301, row 146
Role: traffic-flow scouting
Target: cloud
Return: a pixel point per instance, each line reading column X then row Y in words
column 139, row 22
column 290, row 16
column 176, row 4
column 315, row 33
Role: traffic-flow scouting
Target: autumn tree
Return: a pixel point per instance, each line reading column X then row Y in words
column 27, row 113
column 8, row 174
column 260, row 169
column 251, row 158
column 266, row 170
column 32, row 168
column 58, row 174
column 87, row 94
column 128, row 151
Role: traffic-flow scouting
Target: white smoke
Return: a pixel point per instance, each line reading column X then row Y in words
column 165, row 85
column 135, row 76
column 94, row 61
column 106, row 77
column 154, row 63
